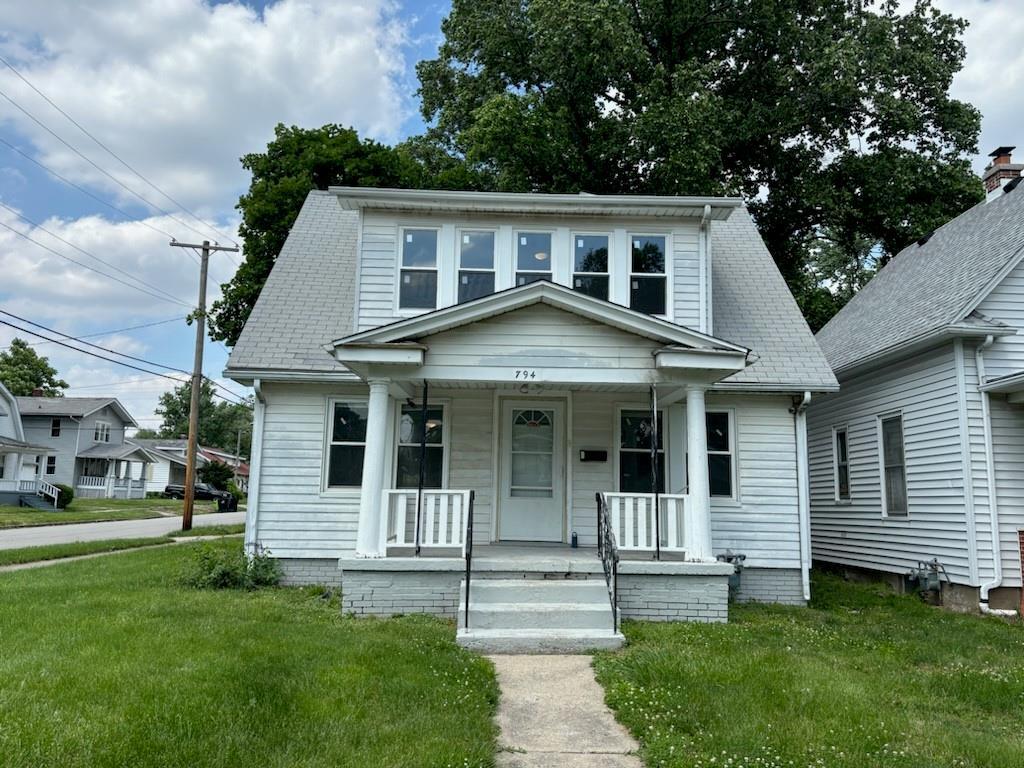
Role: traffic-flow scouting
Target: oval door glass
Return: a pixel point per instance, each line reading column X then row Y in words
column 532, row 449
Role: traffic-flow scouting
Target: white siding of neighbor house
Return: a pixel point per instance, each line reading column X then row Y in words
column 1008, row 445
column 1006, row 304
column 926, row 389
column 379, row 259
column 160, row 476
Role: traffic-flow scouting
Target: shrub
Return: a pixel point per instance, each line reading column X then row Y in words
column 216, row 473
column 235, row 491
column 66, row 496
column 216, row 567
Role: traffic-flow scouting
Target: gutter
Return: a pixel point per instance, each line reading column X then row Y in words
column 252, row 509
column 799, row 411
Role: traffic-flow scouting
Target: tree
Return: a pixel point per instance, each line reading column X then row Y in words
column 23, row 371
column 216, row 473
column 831, row 117
column 219, row 422
column 146, row 434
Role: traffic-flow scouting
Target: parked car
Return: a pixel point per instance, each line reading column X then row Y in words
column 203, row 492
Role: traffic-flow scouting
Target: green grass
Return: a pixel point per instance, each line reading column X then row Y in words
column 98, row 510
column 74, row 549
column 109, row 662
column 864, row 678
column 211, row 530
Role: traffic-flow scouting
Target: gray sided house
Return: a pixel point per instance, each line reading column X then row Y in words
column 511, row 350
column 920, row 456
column 85, row 437
column 21, row 462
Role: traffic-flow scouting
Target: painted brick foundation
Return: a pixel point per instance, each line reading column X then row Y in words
column 771, row 585
column 297, row 572
column 385, row 593
column 674, row 598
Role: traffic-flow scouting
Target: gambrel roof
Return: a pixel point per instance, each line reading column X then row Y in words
column 932, row 287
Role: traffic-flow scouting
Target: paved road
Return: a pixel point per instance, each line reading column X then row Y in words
column 118, row 529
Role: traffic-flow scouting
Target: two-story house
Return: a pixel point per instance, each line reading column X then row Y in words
column 920, row 456
column 21, row 462
column 86, row 440
column 456, row 393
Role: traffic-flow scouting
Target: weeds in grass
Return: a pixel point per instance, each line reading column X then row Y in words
column 213, row 567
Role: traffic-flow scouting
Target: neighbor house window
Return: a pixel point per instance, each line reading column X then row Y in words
column 347, row 444
column 51, row 465
column 647, row 281
column 894, row 482
column 842, row 454
column 54, row 427
column 476, row 265
column 533, row 257
column 590, row 265
column 410, row 433
column 417, row 288
column 101, row 432
column 635, row 438
column 720, row 453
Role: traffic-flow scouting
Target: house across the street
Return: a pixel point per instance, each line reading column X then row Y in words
column 21, row 462
column 506, row 353
column 917, row 464
column 169, row 458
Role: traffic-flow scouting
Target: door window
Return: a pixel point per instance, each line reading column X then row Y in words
column 532, row 453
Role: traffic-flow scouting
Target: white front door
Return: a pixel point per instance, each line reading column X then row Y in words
column 531, row 504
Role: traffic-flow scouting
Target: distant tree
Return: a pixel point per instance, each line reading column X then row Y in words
column 220, row 422
column 23, row 371
column 216, row 473
column 146, row 434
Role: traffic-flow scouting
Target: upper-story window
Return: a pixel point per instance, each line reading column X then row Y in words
column 647, row 280
column 55, row 427
column 101, row 432
column 590, row 265
column 476, row 264
column 417, row 288
column 533, row 257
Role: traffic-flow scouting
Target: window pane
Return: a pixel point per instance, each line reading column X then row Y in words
column 409, row 466
column 477, row 250
column 349, row 423
column 525, row 278
column 720, row 474
column 892, row 441
column 718, row 431
column 346, row 466
column 635, row 472
column 418, row 289
column 647, row 294
column 533, row 251
column 473, row 285
column 419, row 248
column 592, row 285
column 531, row 470
column 636, row 429
column 649, row 255
column 841, row 446
column 532, row 430
column 895, row 491
column 410, row 429
column 844, row 481
column 590, row 253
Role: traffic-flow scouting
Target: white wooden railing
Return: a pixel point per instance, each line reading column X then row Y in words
column 124, row 487
column 92, row 482
column 9, row 485
column 27, row 486
column 633, row 522
column 48, row 491
column 442, row 518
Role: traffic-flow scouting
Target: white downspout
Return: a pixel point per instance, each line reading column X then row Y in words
column 256, row 450
column 993, row 502
column 803, row 491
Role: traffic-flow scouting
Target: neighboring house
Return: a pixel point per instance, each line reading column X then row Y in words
column 168, row 467
column 538, row 325
column 921, row 453
column 86, row 440
column 21, row 462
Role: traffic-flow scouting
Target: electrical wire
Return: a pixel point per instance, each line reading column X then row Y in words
column 119, row 330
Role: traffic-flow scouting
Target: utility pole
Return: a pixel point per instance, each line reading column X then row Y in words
column 197, row 377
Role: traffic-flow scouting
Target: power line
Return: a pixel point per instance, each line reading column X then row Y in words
column 118, row 330
column 111, row 152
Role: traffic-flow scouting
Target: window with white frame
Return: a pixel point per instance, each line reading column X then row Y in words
column 635, row 438
column 346, row 443
column 842, row 457
column 894, row 481
column 417, row 281
column 533, row 257
column 410, row 435
column 55, row 427
column 721, row 467
column 590, row 265
column 51, row 465
column 647, row 278
column 476, row 264
column 101, row 432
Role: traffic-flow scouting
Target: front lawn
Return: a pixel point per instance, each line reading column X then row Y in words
column 864, row 678
column 108, row 662
column 98, row 510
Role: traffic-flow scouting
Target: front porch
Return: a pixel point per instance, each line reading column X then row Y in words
column 22, row 481
column 112, row 472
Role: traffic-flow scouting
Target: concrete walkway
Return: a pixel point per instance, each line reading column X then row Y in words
column 15, row 538
column 552, row 713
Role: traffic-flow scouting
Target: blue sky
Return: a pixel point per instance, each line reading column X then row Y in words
column 180, row 89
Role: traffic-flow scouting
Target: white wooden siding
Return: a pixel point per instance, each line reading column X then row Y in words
column 855, row 533
column 161, row 476
column 685, row 267
column 1008, row 443
column 1006, row 304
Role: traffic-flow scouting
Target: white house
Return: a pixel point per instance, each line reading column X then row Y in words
column 21, row 463
column 169, row 460
column 540, row 330
column 920, row 456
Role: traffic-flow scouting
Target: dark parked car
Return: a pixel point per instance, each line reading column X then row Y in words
column 203, row 492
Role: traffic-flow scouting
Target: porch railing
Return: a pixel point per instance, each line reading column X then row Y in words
column 26, row 486
column 632, row 520
column 608, row 551
column 48, row 491
column 442, row 518
column 468, row 549
column 91, row 482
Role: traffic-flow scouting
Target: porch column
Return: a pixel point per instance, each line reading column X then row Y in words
column 368, row 538
column 699, row 536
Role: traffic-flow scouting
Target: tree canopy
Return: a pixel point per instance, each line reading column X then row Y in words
column 23, row 370
column 219, row 422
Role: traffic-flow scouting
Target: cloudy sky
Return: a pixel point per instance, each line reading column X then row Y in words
column 179, row 89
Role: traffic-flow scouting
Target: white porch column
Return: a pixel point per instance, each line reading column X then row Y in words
column 699, row 537
column 368, row 538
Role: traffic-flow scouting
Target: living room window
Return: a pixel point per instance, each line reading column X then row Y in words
column 346, row 443
column 410, row 433
column 417, row 281
column 635, row 438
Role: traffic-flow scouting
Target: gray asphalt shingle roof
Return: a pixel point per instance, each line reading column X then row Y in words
column 928, row 287
column 308, row 301
column 69, row 406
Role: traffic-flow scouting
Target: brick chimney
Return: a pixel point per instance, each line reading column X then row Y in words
column 37, row 392
column 1000, row 170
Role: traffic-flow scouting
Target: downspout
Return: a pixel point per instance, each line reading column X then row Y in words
column 993, row 502
column 799, row 412
column 255, row 465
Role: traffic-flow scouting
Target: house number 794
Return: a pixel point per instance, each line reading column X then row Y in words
column 524, row 374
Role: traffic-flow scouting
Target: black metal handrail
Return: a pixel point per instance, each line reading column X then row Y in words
column 608, row 551
column 469, row 553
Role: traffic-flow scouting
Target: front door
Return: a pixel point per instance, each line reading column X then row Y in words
column 532, row 494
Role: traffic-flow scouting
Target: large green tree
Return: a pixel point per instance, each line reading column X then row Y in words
column 220, row 422
column 23, row 370
column 831, row 117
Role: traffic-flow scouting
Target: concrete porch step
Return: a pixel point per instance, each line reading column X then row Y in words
column 559, row 640
column 540, row 615
column 536, row 591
